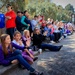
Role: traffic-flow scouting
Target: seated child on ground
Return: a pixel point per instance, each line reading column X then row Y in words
column 28, row 55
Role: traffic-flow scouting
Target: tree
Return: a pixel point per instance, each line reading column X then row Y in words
column 43, row 7
column 69, row 7
column 17, row 4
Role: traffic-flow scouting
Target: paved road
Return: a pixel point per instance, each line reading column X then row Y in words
column 55, row 63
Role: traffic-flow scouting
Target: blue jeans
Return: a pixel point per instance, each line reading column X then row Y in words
column 50, row 47
column 17, row 55
column 51, row 37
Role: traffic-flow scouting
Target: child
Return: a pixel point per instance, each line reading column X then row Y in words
column 26, row 38
column 28, row 55
column 7, row 55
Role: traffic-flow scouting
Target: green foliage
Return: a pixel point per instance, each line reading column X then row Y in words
column 69, row 7
column 49, row 10
column 17, row 4
column 43, row 7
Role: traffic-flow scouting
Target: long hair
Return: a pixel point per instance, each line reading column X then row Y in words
column 3, row 37
column 26, row 33
column 34, row 32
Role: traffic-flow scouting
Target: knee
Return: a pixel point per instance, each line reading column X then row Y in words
column 19, row 56
column 17, row 51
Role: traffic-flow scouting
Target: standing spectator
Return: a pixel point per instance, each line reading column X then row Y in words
column 2, row 23
column 24, row 23
column 10, row 17
column 27, row 21
column 20, row 27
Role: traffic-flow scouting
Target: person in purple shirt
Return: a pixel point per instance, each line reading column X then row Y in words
column 8, row 54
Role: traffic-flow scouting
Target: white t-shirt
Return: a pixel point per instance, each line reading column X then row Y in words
column 15, row 42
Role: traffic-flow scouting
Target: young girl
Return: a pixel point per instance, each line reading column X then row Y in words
column 28, row 55
column 7, row 54
column 26, row 38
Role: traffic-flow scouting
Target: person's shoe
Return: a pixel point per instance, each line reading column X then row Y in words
column 52, row 42
column 36, row 73
column 60, row 47
column 58, row 41
column 35, row 58
column 20, row 66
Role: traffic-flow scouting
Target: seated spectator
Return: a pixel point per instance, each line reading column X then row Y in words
column 43, row 22
column 28, row 55
column 56, row 33
column 8, row 55
column 69, row 28
column 34, row 22
column 38, row 41
column 61, row 27
column 26, row 38
column 48, row 20
column 49, row 34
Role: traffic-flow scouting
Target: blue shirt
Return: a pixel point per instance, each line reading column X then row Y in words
column 48, row 30
column 2, row 21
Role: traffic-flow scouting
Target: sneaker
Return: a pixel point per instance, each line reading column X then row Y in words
column 35, row 58
column 36, row 73
column 60, row 47
column 21, row 66
column 52, row 41
column 61, row 38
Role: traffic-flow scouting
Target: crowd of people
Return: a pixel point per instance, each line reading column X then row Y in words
column 23, row 34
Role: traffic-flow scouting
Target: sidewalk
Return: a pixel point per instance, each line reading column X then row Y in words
column 54, row 63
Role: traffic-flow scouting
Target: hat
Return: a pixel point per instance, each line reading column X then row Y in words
column 8, row 5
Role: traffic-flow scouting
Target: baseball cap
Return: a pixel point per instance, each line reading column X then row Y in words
column 8, row 5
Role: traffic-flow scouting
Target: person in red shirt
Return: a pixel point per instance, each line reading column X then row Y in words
column 10, row 17
column 43, row 22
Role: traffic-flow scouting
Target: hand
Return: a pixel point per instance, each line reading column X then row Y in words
column 28, row 24
column 20, row 42
column 32, row 56
column 14, row 61
column 45, row 33
column 8, row 17
column 28, row 43
column 26, row 50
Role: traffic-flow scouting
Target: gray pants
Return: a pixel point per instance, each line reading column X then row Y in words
column 2, row 31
